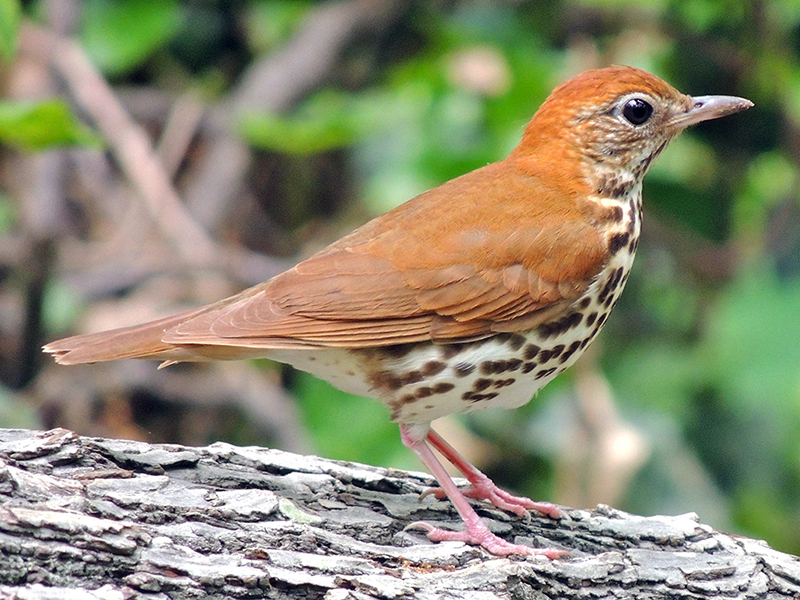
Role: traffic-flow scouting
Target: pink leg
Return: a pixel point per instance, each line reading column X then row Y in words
column 476, row 530
column 483, row 488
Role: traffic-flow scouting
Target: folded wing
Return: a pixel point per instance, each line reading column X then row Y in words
column 417, row 273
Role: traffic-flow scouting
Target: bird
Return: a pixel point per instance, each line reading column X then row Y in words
column 472, row 295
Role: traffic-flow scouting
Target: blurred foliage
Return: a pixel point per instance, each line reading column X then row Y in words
column 348, row 427
column 703, row 350
column 269, row 24
column 9, row 24
column 327, row 121
column 15, row 413
column 42, row 125
column 120, row 35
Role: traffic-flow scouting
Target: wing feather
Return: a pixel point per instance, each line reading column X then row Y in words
column 402, row 278
column 423, row 271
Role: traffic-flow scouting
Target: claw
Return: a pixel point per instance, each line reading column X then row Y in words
column 479, row 535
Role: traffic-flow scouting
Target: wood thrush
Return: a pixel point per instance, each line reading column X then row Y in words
column 472, row 295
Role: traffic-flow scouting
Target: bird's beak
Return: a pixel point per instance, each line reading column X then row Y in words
column 705, row 108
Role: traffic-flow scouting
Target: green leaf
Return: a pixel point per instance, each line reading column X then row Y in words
column 9, row 25
column 327, row 121
column 269, row 23
column 119, row 35
column 292, row 136
column 42, row 125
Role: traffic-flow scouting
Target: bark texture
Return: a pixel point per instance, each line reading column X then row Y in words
column 89, row 518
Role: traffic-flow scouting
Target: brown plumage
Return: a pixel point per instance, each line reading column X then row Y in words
column 536, row 247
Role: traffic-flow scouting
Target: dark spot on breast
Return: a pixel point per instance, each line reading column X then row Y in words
column 565, row 323
column 500, row 383
column 591, row 319
column 491, row 367
column 414, row 376
column 584, row 304
column 463, row 369
column 398, row 350
column 473, row 397
column 635, row 214
column 432, row 367
column 531, row 350
column 442, row 388
column 604, row 291
column 545, row 373
column 385, row 380
column 573, row 348
column 633, row 246
column 516, row 341
column 451, row 350
column 612, row 186
column 423, row 392
column 481, row 384
column 407, row 399
column 618, row 242
column 602, row 319
column 502, row 338
column 528, row 367
column 642, row 167
column 512, row 364
column 610, row 285
column 556, row 351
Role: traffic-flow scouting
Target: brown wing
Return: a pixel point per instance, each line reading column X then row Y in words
column 423, row 273
column 491, row 251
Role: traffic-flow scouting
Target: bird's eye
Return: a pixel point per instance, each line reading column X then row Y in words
column 637, row 111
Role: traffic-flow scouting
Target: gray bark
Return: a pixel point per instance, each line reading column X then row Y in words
column 96, row 518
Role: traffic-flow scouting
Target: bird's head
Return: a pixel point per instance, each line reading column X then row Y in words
column 618, row 119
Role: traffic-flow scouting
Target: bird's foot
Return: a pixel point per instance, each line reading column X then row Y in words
column 478, row 534
column 483, row 488
column 519, row 505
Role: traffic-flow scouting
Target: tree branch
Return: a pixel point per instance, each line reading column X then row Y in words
column 91, row 518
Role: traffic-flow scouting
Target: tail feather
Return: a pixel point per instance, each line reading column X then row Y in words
column 137, row 341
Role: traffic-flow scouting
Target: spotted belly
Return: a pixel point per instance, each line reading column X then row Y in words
column 421, row 382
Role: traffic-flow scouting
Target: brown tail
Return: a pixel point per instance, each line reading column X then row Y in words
column 138, row 341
